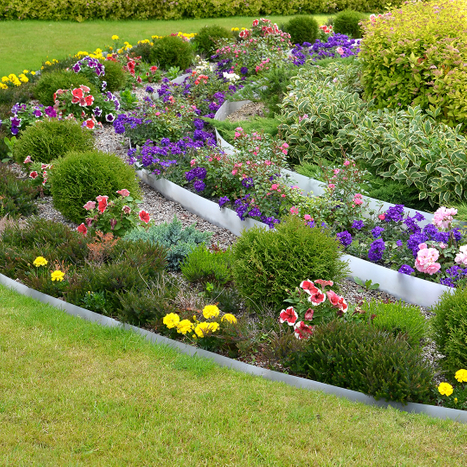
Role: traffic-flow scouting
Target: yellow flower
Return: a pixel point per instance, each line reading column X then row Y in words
column 23, row 78
column 115, row 38
column 455, row 400
column 184, row 326
column 48, row 63
column 203, row 329
column 25, row 71
column 33, row 72
column 171, row 320
column 3, row 86
column 445, row 389
column 234, row 29
column 57, row 275
column 230, row 318
column 210, row 311
column 40, row 261
column 5, row 79
column 461, row 376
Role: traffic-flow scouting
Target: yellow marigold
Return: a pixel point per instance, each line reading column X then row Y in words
column 171, row 320
column 17, row 82
column 57, row 275
column 461, row 376
column 203, row 329
column 235, row 29
column 25, row 71
column 445, row 389
column 33, row 72
column 23, row 78
column 115, row 37
column 48, row 63
column 230, row 318
column 40, row 261
column 184, row 326
column 210, row 311
column 3, row 86
column 5, row 79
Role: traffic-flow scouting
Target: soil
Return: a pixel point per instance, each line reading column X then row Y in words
column 247, row 112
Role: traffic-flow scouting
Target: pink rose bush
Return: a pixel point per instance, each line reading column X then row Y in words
column 118, row 216
column 426, row 260
column 312, row 304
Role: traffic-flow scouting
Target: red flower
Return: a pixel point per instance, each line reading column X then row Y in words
column 153, row 69
column 288, row 316
column 82, row 229
column 124, row 192
column 382, row 217
column 333, row 298
column 309, row 314
column 89, row 99
column 308, row 287
column 317, row 298
column 89, row 123
column 33, row 175
column 302, row 330
column 255, row 22
column 84, row 88
column 89, row 205
column 144, row 216
column 102, row 200
column 324, row 283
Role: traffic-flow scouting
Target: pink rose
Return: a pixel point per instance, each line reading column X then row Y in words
column 293, row 210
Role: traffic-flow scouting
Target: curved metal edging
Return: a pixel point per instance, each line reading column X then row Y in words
column 295, row 381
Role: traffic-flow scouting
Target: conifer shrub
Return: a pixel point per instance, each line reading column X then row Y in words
column 206, row 40
column 178, row 241
column 114, row 76
column 363, row 358
column 302, row 29
column 348, row 22
column 267, row 263
column 50, row 139
column 398, row 318
column 171, row 51
column 82, row 176
column 449, row 329
column 414, row 56
column 50, row 82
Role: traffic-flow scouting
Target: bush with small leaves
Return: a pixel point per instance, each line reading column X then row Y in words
column 171, row 51
column 302, row 29
column 50, row 139
column 114, row 76
column 208, row 36
column 348, row 22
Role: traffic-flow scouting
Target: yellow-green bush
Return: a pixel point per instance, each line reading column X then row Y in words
column 416, row 55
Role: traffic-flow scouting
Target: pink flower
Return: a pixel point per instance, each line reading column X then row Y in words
column 336, row 171
column 293, row 210
column 331, row 186
column 340, row 50
column 102, row 200
column 309, row 314
column 33, row 175
column 144, row 216
column 234, row 172
column 126, row 209
column 357, row 201
column 381, row 217
column 124, row 192
column 84, row 88
column 443, row 217
column 89, row 123
column 317, row 298
column 426, row 260
column 302, row 330
column 283, row 196
column 308, row 287
column 82, row 229
column 307, row 217
column 274, row 186
column 461, row 257
column 324, row 283
column 27, row 160
column 333, row 298
column 89, row 205
column 288, row 316
column 346, row 163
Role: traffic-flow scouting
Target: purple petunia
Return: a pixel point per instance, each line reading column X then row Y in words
column 223, row 200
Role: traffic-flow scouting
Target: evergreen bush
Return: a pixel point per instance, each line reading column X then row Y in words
column 171, row 51
column 206, row 40
column 302, row 29
column 114, row 76
column 348, row 22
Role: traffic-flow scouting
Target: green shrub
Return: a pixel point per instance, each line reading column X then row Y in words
column 171, row 51
column 449, row 329
column 142, row 50
column 16, row 195
column 302, row 29
column 49, row 139
column 360, row 357
column 203, row 265
column 114, row 76
column 348, row 22
column 206, row 40
column 268, row 262
column 179, row 241
column 82, row 176
column 398, row 318
column 227, row 128
column 414, row 56
column 50, row 82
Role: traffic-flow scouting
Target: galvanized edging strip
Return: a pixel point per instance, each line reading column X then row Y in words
column 295, row 381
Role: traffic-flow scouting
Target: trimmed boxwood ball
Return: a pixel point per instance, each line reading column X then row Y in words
column 46, row 140
column 268, row 262
column 348, row 22
column 81, row 176
column 171, row 51
column 114, row 75
column 205, row 40
column 59, row 79
column 302, row 29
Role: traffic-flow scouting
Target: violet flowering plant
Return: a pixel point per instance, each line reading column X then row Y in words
column 118, row 216
column 23, row 115
column 93, row 69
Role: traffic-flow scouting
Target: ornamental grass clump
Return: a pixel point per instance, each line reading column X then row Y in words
column 268, row 263
column 82, row 176
column 415, row 55
column 363, row 358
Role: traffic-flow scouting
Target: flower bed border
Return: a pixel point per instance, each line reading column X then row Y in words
column 410, row 289
column 443, row 413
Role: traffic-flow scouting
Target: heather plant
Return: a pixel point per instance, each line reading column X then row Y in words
column 262, row 254
column 348, row 22
column 50, row 139
column 82, row 176
column 363, row 358
column 413, row 56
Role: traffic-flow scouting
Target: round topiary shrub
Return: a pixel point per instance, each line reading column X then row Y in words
column 82, row 176
column 114, row 76
column 171, row 51
column 59, row 79
column 348, row 22
column 449, row 329
column 50, row 139
column 302, row 29
column 268, row 262
column 207, row 37
column 363, row 358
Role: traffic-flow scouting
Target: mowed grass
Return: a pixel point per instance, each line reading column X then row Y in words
column 75, row 393
column 27, row 44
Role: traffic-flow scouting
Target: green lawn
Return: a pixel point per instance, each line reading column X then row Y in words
column 26, row 44
column 75, row 393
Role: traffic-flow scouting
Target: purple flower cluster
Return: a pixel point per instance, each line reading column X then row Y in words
column 375, row 253
column 454, row 274
column 406, row 269
column 377, row 231
column 196, row 173
column 223, row 200
column 92, row 63
column 345, row 238
column 395, row 213
column 358, row 225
